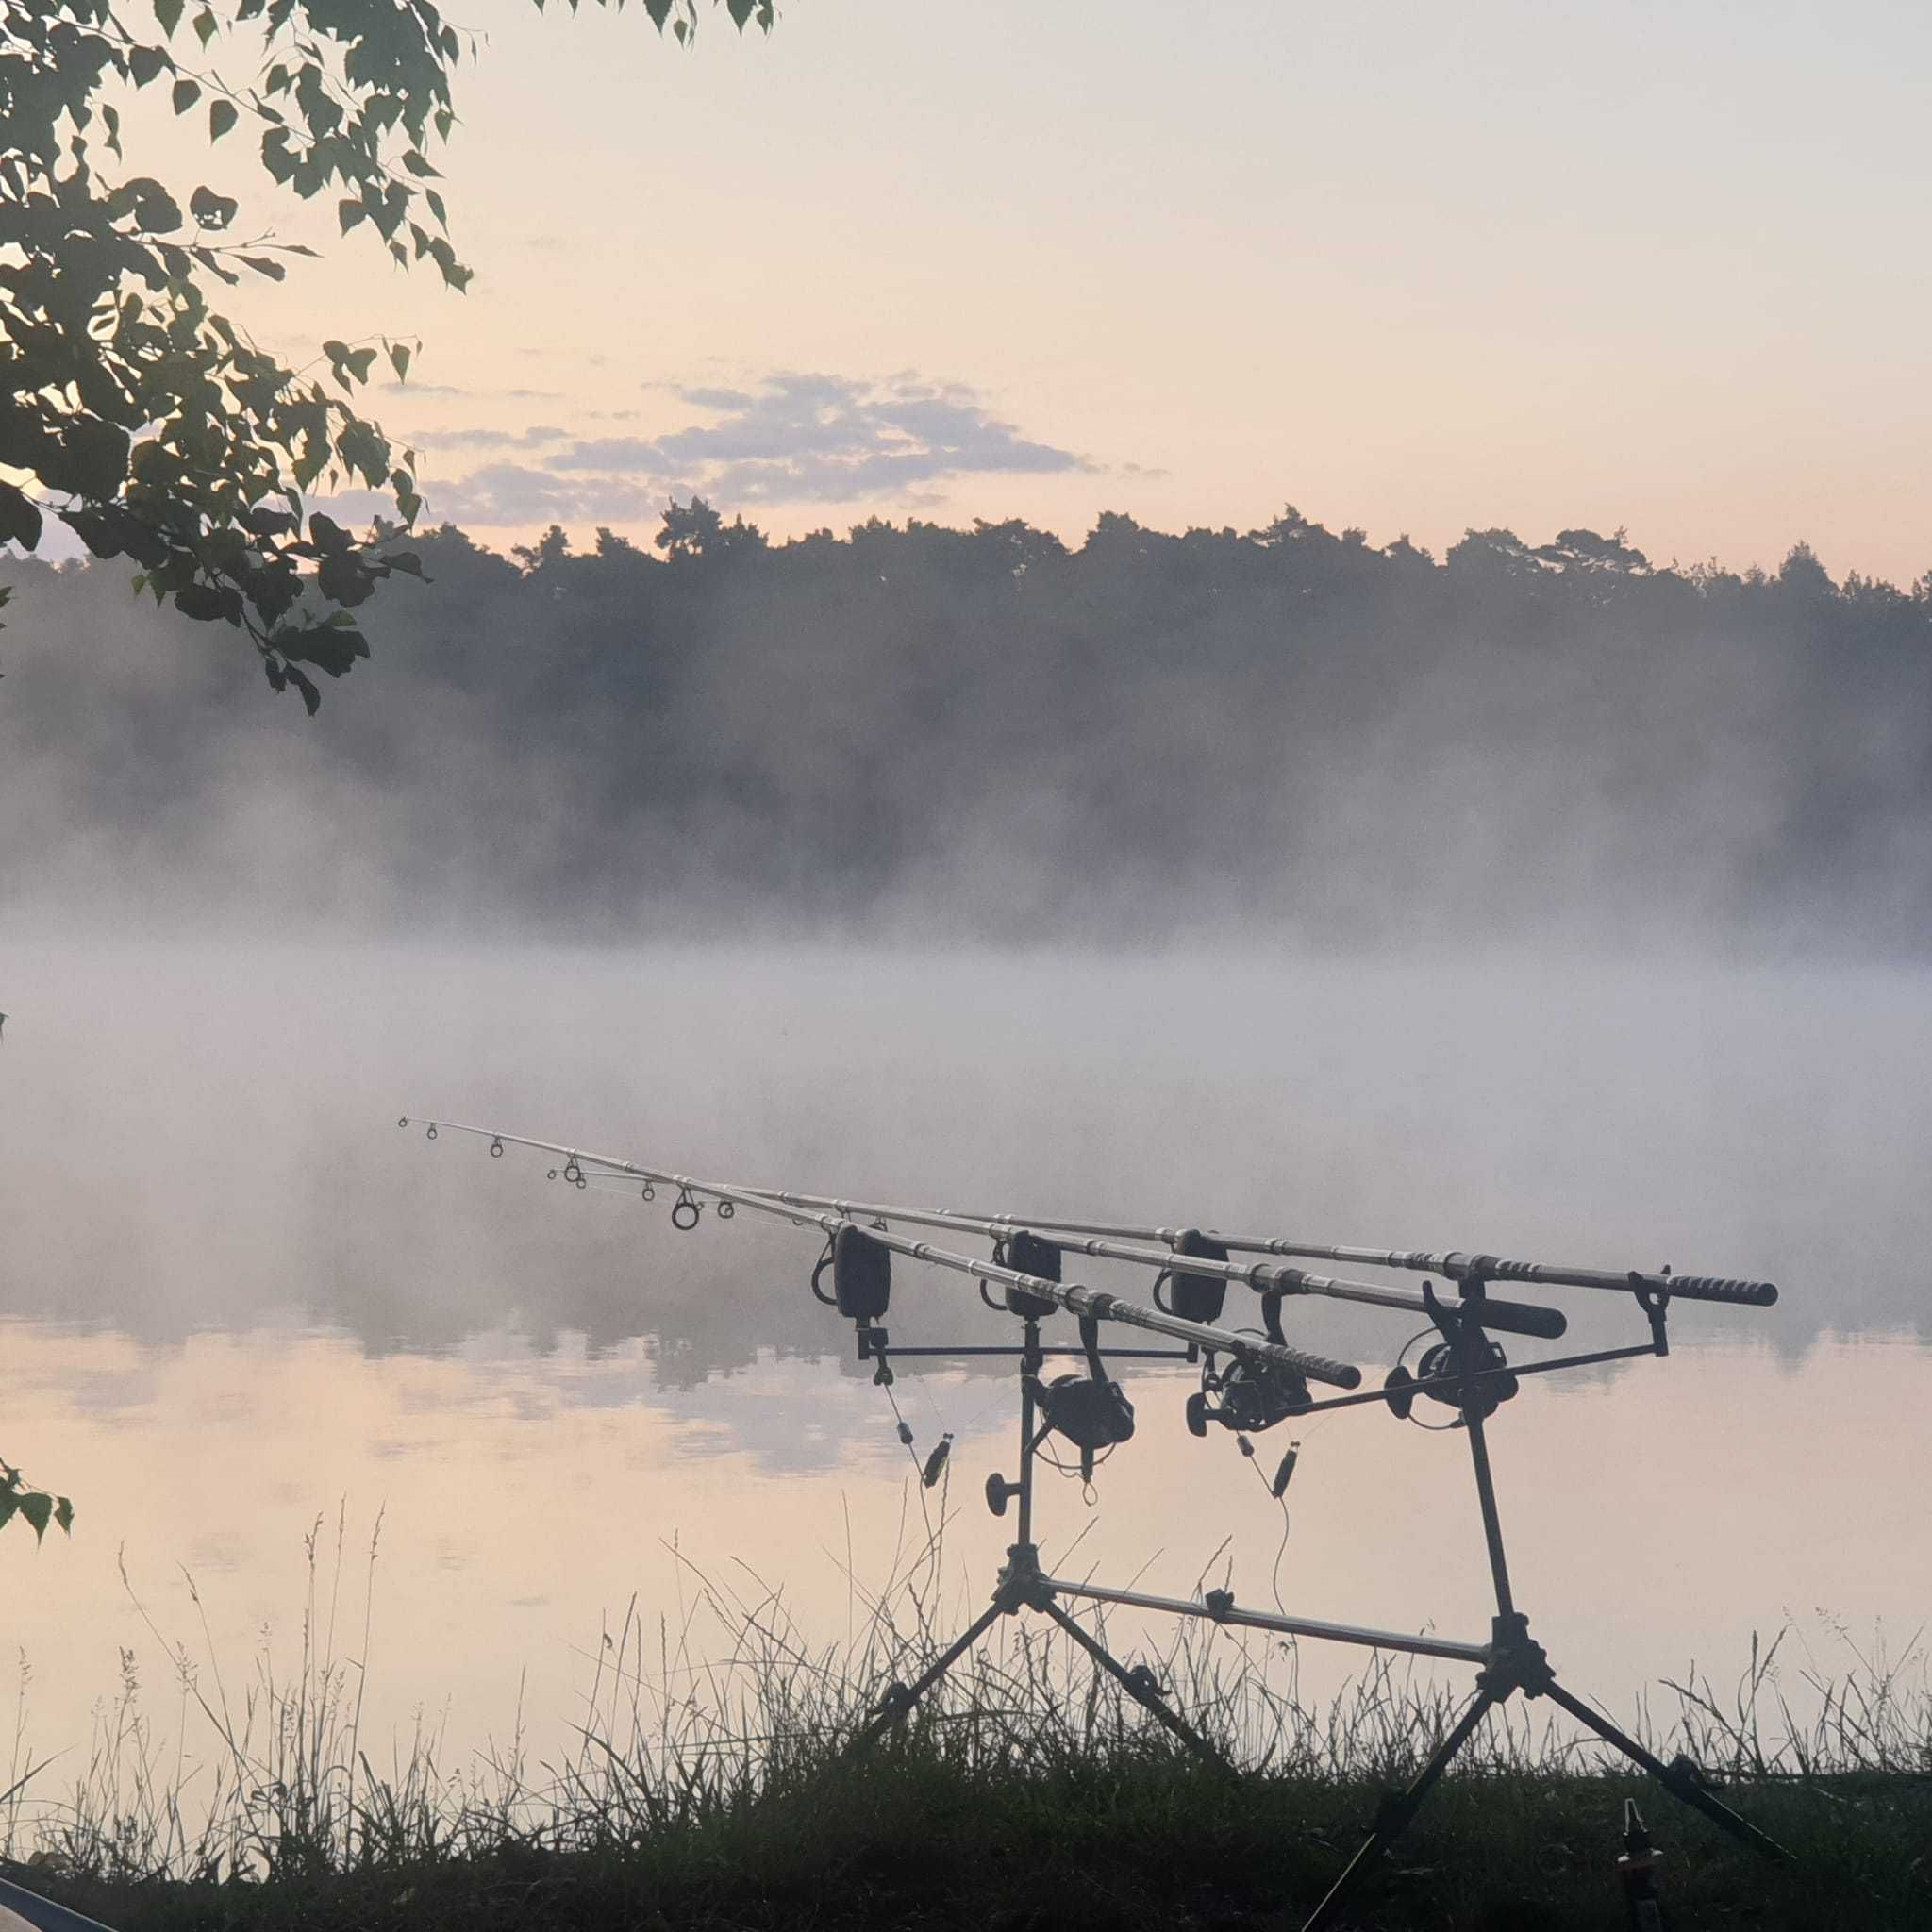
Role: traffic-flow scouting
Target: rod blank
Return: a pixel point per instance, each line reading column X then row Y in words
column 1459, row 1266
column 1072, row 1296
column 1509, row 1318
column 1455, row 1264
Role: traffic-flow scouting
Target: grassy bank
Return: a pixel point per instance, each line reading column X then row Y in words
column 1121, row 1840
column 706, row 1786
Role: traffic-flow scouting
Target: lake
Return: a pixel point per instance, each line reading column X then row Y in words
column 237, row 1300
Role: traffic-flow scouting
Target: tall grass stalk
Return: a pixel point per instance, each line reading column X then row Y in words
column 729, row 1709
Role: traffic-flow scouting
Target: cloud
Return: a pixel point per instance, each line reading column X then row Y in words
column 797, row 438
column 492, row 439
column 514, row 494
column 801, row 437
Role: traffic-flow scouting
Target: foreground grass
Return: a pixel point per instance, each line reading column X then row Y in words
column 922, row 1842
column 708, row 1787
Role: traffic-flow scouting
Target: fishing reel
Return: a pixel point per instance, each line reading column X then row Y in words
column 1253, row 1395
column 1092, row 1412
column 1441, row 1376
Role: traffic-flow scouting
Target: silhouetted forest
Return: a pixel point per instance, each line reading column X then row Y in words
column 912, row 722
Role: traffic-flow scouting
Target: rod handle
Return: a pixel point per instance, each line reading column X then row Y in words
column 1518, row 1318
column 1318, row 1368
column 1711, row 1288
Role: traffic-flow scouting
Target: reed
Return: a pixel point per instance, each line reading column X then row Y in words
column 705, row 1783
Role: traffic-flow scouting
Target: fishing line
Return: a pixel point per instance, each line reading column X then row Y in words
column 1278, row 1490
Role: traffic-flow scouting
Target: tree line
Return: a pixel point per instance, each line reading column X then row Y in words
column 988, row 727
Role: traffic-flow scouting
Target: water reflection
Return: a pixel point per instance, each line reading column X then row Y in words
column 237, row 1294
column 1655, row 1518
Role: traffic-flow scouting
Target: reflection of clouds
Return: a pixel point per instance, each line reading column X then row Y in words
column 790, row 1414
column 220, row 1550
column 106, row 1396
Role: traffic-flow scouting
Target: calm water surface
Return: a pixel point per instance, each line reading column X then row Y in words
column 237, row 1298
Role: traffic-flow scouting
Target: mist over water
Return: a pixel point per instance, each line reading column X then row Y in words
column 201, row 1137
column 238, row 1296
column 969, row 737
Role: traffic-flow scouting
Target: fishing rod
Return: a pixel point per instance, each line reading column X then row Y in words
column 1453, row 1264
column 1091, row 1305
column 1185, row 1244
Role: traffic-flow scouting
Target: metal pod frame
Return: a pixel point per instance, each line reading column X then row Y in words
column 1262, row 1376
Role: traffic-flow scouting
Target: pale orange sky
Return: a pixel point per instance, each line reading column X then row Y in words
column 1649, row 265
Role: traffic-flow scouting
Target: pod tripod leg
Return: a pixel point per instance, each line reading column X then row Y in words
column 1396, row 1808
column 1025, row 1586
column 1141, row 1686
column 1681, row 1778
column 900, row 1698
column 1516, row 1662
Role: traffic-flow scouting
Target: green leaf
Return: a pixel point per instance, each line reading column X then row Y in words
column 38, row 1508
column 399, row 360
column 330, row 646
column 63, row 1513
column 211, row 210
column 276, row 157
column 169, row 14
column 206, row 29
column 143, row 63
column 20, row 517
column 349, row 213
column 208, row 602
column 185, row 95
column 222, row 116
column 265, row 265
column 9, row 1502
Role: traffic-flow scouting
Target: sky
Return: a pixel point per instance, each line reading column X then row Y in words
column 1411, row 269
